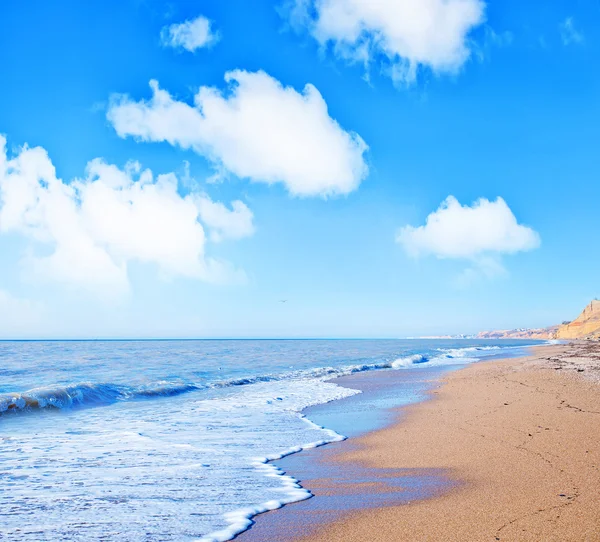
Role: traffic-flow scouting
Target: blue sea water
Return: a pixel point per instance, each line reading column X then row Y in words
column 171, row 440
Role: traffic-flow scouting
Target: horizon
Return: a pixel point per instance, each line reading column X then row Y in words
column 166, row 339
column 159, row 177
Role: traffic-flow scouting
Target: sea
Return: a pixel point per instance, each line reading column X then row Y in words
column 163, row 440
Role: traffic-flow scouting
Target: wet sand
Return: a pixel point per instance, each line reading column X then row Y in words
column 520, row 437
column 340, row 488
column 518, row 441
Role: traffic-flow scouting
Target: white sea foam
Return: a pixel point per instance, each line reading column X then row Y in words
column 171, row 459
column 409, row 361
column 163, row 462
column 94, row 394
column 241, row 519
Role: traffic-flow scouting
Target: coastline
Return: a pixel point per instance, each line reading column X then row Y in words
column 234, row 477
column 517, row 438
column 338, row 488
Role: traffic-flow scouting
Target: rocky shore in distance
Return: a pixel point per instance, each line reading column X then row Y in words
column 585, row 326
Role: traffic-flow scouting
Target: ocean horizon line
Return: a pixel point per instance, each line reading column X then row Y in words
column 166, row 339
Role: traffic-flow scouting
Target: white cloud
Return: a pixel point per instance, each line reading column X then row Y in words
column 569, row 34
column 258, row 129
column 91, row 228
column 224, row 223
column 481, row 234
column 409, row 34
column 189, row 35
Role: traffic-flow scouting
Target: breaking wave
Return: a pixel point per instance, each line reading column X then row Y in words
column 86, row 394
column 96, row 394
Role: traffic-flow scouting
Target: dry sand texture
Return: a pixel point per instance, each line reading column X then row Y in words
column 521, row 438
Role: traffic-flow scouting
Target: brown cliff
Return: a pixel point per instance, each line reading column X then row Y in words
column 585, row 326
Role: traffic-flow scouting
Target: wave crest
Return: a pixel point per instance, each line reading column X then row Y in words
column 94, row 394
column 86, row 393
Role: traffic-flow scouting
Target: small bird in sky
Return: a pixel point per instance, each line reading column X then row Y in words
column 283, row 301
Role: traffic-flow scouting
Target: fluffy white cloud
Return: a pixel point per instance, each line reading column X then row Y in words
column 568, row 33
column 94, row 226
column 258, row 129
column 480, row 233
column 224, row 223
column 409, row 34
column 189, row 35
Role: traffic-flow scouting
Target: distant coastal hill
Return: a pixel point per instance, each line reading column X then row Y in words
column 585, row 326
column 543, row 333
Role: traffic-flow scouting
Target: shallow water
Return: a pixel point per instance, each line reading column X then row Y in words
column 167, row 440
column 340, row 486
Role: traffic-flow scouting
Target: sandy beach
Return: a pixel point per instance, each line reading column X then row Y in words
column 520, row 439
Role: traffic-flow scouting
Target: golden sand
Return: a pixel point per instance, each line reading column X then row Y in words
column 521, row 438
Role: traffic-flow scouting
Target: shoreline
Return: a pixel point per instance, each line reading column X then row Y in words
column 514, row 454
column 382, row 393
column 251, row 486
column 419, row 379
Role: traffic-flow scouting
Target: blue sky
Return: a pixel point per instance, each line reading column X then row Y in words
column 505, row 105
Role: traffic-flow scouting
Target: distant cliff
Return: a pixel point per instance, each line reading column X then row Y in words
column 543, row 333
column 585, row 326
